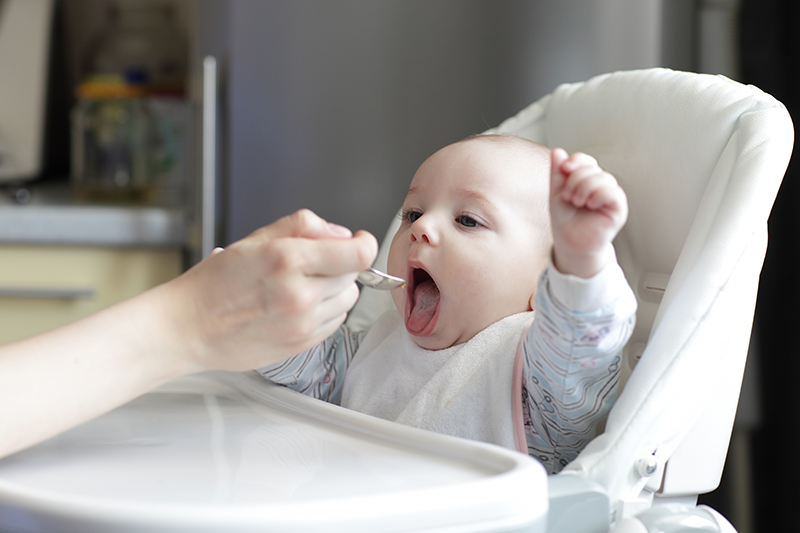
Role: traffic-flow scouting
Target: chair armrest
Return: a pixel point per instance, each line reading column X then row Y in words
column 672, row 518
column 577, row 505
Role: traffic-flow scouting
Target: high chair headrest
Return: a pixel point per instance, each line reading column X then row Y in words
column 701, row 158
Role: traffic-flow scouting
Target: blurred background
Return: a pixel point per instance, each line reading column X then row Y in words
column 110, row 119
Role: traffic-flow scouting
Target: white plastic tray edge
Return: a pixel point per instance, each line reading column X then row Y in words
column 513, row 499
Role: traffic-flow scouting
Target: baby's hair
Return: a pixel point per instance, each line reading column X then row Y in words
column 533, row 146
column 501, row 137
column 539, row 151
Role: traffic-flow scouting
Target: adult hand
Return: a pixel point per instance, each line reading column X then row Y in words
column 279, row 291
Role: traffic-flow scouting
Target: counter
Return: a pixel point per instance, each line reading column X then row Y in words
column 55, row 216
column 61, row 259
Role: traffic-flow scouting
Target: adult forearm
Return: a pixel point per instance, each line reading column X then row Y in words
column 56, row 380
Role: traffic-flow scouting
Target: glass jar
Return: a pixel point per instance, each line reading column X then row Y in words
column 114, row 142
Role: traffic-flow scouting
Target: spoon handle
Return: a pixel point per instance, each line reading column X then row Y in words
column 376, row 279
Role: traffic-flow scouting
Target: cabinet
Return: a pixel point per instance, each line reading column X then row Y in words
column 42, row 287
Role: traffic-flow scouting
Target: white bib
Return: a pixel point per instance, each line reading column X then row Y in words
column 464, row 391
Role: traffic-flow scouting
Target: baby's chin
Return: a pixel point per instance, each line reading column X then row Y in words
column 426, row 343
column 440, row 341
column 443, row 337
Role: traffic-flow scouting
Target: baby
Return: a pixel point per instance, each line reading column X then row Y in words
column 465, row 354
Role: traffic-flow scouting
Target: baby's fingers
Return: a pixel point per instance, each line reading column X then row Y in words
column 577, row 161
column 557, row 158
column 582, row 183
column 610, row 199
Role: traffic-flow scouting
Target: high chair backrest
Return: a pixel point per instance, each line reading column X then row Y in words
column 701, row 158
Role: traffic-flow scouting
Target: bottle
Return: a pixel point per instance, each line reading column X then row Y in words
column 142, row 44
column 126, row 140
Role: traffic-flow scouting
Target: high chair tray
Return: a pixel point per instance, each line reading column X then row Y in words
column 229, row 452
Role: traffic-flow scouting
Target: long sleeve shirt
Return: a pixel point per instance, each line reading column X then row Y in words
column 571, row 361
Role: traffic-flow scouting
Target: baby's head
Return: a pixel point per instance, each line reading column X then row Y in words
column 474, row 238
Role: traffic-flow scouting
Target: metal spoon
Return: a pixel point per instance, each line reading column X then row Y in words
column 378, row 280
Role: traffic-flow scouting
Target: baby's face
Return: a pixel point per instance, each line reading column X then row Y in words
column 473, row 240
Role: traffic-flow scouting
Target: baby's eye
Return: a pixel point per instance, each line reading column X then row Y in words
column 467, row 221
column 410, row 215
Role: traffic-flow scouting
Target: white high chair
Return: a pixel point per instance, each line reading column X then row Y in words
column 701, row 158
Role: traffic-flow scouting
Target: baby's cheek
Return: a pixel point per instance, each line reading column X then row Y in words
column 399, row 299
column 500, row 297
column 396, row 261
column 397, row 266
column 478, row 295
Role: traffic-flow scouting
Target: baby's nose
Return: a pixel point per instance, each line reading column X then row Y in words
column 423, row 230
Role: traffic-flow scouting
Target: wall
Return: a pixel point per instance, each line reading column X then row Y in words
column 332, row 106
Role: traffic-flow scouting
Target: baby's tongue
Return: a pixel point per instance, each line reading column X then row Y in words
column 426, row 299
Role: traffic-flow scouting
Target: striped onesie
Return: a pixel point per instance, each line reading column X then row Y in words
column 571, row 357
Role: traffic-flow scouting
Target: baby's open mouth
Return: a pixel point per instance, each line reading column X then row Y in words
column 423, row 301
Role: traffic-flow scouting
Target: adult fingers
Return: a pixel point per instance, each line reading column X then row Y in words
column 331, row 286
column 337, row 304
column 321, row 321
column 325, row 330
column 323, row 257
column 335, row 257
column 303, row 223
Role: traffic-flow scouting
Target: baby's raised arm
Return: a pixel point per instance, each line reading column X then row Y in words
column 587, row 210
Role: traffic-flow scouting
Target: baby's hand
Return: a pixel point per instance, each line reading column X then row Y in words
column 587, row 210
